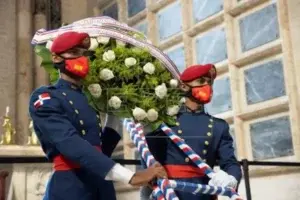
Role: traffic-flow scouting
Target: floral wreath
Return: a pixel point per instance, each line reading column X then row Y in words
column 124, row 79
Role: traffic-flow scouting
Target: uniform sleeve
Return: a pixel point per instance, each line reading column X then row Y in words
column 56, row 129
column 119, row 173
column 227, row 159
column 110, row 139
column 110, row 136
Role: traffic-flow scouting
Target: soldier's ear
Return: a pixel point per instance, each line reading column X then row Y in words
column 56, row 58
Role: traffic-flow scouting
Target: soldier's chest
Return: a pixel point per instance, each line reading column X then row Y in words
column 196, row 130
column 81, row 114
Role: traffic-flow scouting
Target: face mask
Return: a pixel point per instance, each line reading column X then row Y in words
column 78, row 67
column 201, row 94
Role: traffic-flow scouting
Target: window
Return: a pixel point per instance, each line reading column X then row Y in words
column 271, row 138
column 112, row 11
column 221, row 101
column 259, row 28
column 142, row 27
column 211, row 47
column 203, row 9
column 135, row 6
column 168, row 22
column 177, row 56
column 264, row 82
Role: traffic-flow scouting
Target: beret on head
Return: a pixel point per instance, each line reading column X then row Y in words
column 68, row 41
column 196, row 71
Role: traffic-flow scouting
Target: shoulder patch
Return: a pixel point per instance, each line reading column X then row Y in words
column 42, row 99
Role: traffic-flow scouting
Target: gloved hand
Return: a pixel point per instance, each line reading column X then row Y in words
column 222, row 179
column 113, row 122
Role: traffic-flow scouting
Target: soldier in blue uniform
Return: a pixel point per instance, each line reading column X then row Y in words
column 208, row 136
column 71, row 135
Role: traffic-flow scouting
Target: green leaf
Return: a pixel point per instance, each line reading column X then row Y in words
column 156, row 125
column 46, row 63
column 171, row 121
column 44, row 53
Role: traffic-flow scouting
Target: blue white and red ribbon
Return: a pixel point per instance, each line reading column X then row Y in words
column 137, row 136
column 194, row 157
column 188, row 151
column 203, row 189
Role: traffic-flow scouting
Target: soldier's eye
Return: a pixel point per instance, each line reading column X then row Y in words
column 202, row 81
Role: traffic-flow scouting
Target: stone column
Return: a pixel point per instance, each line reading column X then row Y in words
column 290, row 29
column 294, row 26
column 73, row 10
column 8, row 57
column 40, row 21
column 92, row 8
column 25, row 68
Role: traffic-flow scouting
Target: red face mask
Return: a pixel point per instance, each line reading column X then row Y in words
column 202, row 93
column 78, row 66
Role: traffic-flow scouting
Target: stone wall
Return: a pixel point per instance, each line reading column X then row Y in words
column 27, row 181
column 8, row 48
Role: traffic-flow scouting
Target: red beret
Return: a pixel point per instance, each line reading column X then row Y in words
column 68, row 41
column 196, row 71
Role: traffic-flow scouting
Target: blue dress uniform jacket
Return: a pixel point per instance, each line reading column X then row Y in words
column 66, row 125
column 209, row 137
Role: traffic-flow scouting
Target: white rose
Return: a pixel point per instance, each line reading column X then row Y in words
column 121, row 43
column 95, row 90
column 130, row 61
column 109, row 56
column 173, row 83
column 114, row 102
column 94, row 44
column 139, row 114
column 152, row 115
column 106, row 74
column 161, row 91
column 49, row 44
column 173, row 110
column 182, row 100
column 103, row 40
column 149, row 68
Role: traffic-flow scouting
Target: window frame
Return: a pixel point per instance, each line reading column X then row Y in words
column 235, row 64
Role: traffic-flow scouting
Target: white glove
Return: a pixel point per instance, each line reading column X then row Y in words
column 113, row 122
column 222, row 179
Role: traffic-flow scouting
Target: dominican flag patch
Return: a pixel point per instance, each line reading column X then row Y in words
column 42, row 98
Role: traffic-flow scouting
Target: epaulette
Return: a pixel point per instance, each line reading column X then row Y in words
column 44, row 88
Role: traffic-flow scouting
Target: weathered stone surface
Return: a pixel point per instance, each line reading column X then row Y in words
column 8, row 59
